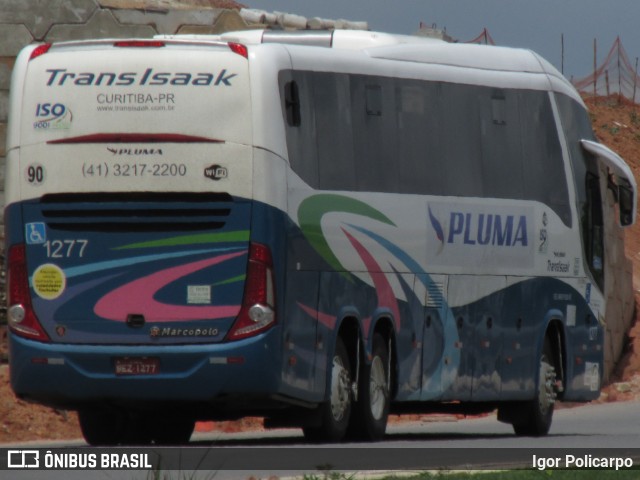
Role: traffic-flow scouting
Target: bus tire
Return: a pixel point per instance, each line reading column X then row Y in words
column 535, row 416
column 103, row 426
column 111, row 427
column 166, row 430
column 335, row 412
column 371, row 411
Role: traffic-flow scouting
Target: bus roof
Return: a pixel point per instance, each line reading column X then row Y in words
column 456, row 58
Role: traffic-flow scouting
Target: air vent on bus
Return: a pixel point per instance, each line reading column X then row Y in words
column 435, row 297
column 136, row 212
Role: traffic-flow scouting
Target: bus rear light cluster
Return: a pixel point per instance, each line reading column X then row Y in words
column 257, row 313
column 239, row 49
column 139, row 44
column 39, row 50
column 21, row 318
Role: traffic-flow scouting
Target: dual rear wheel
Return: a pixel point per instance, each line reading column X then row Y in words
column 533, row 417
column 536, row 415
column 340, row 415
column 109, row 427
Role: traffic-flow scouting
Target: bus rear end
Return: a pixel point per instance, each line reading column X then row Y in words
column 134, row 281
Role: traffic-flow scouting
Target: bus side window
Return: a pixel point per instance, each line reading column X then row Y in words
column 595, row 228
column 499, row 108
column 373, row 96
column 292, row 103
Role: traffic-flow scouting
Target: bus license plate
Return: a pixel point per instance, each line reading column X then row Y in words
column 137, row 366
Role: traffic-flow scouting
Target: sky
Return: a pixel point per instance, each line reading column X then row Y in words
column 538, row 25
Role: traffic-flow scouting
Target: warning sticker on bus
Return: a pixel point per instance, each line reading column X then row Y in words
column 49, row 281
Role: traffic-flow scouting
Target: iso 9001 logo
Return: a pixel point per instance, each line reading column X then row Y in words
column 23, row 459
column 52, row 116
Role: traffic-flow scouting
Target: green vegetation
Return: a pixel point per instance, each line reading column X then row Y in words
column 529, row 474
column 613, row 129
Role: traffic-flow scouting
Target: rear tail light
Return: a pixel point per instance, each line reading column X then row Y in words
column 39, row 50
column 139, row 44
column 240, row 49
column 134, row 138
column 20, row 315
column 258, row 312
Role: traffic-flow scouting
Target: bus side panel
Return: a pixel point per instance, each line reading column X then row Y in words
column 297, row 294
column 480, row 332
column 408, row 338
column 330, row 295
column 506, row 366
column 518, row 324
column 304, row 338
column 296, row 286
column 584, row 355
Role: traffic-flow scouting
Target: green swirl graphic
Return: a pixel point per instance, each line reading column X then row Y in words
column 235, row 236
column 313, row 208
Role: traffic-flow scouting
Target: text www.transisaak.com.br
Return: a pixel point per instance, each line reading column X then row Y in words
column 584, row 461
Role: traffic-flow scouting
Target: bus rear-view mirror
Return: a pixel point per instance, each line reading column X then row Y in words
column 625, row 202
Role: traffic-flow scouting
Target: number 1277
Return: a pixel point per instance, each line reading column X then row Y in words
column 65, row 248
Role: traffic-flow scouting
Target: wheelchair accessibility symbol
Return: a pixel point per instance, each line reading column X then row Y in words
column 36, row 233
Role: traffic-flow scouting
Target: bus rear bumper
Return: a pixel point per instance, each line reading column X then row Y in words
column 73, row 375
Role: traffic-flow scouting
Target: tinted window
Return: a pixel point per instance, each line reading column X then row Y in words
column 381, row 134
column 334, row 141
column 374, row 134
column 301, row 125
column 577, row 126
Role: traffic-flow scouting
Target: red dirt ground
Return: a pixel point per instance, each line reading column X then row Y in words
column 616, row 124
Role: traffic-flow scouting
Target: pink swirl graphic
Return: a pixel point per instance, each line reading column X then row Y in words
column 386, row 298
column 137, row 297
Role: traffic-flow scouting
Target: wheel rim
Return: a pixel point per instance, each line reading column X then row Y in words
column 546, row 391
column 377, row 388
column 339, row 389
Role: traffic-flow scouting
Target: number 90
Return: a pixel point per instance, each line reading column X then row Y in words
column 35, row 174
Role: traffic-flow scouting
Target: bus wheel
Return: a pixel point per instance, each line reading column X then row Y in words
column 103, row 426
column 336, row 411
column 371, row 411
column 169, row 430
column 535, row 417
column 110, row 427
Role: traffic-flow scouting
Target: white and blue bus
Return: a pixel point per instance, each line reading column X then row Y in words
column 318, row 229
